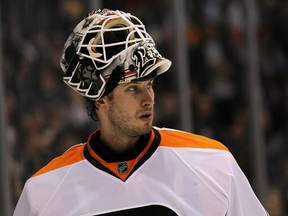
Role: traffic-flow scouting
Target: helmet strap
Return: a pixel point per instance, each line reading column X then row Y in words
column 116, row 75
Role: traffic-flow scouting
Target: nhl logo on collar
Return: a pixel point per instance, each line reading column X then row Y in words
column 122, row 167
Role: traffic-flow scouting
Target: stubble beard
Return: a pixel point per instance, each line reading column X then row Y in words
column 124, row 124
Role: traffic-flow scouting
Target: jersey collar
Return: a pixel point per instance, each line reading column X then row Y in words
column 121, row 166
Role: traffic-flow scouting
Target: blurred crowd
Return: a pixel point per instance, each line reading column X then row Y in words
column 45, row 117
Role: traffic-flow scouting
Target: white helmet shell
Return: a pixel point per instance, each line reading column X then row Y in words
column 106, row 40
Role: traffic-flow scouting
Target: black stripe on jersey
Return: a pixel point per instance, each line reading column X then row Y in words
column 95, row 162
column 143, row 211
column 150, row 151
column 145, row 157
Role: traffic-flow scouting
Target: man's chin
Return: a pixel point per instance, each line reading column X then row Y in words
column 145, row 129
column 148, row 129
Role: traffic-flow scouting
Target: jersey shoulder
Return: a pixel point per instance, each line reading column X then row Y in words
column 71, row 156
column 180, row 139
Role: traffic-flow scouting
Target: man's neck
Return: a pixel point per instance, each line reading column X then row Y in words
column 122, row 153
column 119, row 144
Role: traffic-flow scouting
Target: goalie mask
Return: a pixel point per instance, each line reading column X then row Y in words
column 107, row 48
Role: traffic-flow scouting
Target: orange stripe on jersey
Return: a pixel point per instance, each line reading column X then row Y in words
column 180, row 139
column 72, row 155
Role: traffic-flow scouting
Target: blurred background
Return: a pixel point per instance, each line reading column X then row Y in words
column 228, row 82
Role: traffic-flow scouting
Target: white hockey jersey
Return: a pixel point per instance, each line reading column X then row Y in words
column 175, row 173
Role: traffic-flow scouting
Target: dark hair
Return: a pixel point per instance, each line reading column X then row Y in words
column 91, row 108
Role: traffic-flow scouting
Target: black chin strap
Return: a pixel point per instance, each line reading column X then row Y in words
column 114, row 79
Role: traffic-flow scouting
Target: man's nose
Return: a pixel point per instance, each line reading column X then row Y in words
column 148, row 97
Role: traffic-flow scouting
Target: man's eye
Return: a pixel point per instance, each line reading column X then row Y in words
column 132, row 88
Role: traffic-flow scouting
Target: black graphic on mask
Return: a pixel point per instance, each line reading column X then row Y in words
column 145, row 57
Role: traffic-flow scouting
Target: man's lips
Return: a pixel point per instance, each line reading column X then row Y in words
column 146, row 116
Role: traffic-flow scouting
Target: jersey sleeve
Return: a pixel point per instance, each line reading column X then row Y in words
column 215, row 166
column 41, row 186
column 24, row 205
column 242, row 199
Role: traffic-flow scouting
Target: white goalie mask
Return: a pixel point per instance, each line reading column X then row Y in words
column 106, row 48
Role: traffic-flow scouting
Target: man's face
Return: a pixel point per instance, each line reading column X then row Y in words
column 130, row 108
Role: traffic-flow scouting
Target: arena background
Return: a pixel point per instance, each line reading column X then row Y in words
column 228, row 82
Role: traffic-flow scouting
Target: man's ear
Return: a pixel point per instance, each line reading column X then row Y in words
column 100, row 103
